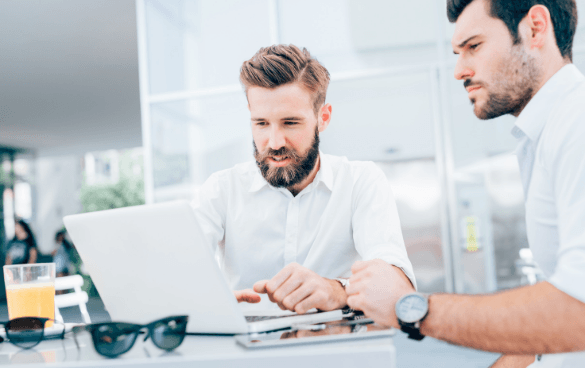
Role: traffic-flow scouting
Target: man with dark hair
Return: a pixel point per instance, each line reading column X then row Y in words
column 563, row 16
column 514, row 58
column 291, row 223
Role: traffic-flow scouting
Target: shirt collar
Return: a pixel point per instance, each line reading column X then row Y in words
column 258, row 182
column 533, row 118
column 324, row 175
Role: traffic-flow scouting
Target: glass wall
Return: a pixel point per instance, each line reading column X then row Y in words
column 395, row 102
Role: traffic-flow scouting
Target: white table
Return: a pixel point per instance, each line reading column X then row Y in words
column 204, row 352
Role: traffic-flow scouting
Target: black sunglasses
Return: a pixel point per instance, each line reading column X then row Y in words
column 27, row 332
column 111, row 339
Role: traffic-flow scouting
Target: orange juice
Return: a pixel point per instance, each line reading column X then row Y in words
column 31, row 300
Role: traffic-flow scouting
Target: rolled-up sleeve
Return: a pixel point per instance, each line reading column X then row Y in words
column 376, row 226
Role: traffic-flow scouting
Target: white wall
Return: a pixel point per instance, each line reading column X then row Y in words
column 58, row 181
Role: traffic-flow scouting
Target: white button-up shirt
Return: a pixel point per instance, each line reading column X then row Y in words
column 551, row 155
column 347, row 213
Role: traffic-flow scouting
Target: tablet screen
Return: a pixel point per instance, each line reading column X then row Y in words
column 310, row 334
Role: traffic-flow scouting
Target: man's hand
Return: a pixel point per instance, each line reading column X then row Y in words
column 298, row 289
column 375, row 287
column 247, row 295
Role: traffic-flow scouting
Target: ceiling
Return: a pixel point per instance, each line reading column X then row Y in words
column 69, row 76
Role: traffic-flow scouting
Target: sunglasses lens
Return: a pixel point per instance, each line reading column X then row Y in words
column 25, row 332
column 113, row 339
column 169, row 333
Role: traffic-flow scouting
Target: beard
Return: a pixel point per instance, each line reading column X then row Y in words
column 295, row 172
column 512, row 87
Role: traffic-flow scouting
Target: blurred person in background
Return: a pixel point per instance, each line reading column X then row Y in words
column 292, row 222
column 61, row 255
column 23, row 247
column 515, row 57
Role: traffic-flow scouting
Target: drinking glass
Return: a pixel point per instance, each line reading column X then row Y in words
column 30, row 291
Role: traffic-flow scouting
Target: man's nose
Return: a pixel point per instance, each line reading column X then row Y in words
column 462, row 70
column 277, row 138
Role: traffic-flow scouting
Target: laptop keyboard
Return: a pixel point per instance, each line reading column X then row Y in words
column 353, row 314
column 260, row 318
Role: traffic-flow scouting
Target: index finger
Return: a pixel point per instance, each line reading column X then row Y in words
column 260, row 286
column 279, row 279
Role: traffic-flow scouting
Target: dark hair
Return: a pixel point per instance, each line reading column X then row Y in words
column 276, row 65
column 30, row 239
column 563, row 14
column 61, row 234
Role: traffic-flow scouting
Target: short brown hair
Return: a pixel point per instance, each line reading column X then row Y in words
column 276, row 65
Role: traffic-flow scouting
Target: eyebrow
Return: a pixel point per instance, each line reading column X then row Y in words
column 462, row 44
column 295, row 118
column 290, row 118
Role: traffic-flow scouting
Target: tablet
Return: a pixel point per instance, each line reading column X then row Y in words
column 319, row 333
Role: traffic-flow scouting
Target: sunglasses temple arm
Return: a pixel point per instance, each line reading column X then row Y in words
column 146, row 351
column 147, row 335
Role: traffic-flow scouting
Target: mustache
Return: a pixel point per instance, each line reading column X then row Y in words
column 469, row 82
column 282, row 151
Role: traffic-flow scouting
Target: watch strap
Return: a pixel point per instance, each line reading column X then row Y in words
column 411, row 330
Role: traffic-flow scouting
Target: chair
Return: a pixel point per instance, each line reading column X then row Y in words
column 78, row 297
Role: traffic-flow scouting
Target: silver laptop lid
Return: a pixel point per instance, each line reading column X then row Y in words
column 149, row 262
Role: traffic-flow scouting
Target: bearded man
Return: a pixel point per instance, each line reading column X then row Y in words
column 514, row 57
column 291, row 223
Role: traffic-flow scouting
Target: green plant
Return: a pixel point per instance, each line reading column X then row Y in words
column 126, row 192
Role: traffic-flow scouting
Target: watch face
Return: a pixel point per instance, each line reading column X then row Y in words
column 412, row 308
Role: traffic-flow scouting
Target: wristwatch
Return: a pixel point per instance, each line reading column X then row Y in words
column 344, row 283
column 411, row 310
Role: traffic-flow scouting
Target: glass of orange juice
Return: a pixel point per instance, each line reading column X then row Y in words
column 30, row 290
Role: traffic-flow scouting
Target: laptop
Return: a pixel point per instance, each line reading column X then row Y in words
column 152, row 261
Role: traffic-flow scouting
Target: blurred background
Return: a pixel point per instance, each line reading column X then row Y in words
column 112, row 103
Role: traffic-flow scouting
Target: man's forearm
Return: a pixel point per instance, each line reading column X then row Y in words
column 535, row 319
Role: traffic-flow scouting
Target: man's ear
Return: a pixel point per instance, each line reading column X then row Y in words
column 540, row 23
column 324, row 117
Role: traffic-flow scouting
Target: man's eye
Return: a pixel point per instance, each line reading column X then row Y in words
column 260, row 123
column 291, row 122
column 474, row 46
